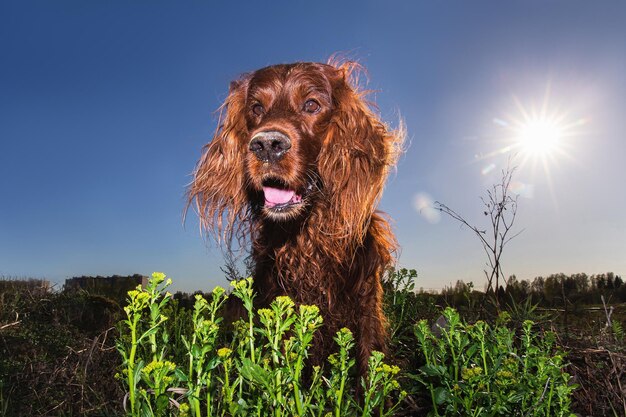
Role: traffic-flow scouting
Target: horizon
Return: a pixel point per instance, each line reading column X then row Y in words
column 106, row 106
column 59, row 287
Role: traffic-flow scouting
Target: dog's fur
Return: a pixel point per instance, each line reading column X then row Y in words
column 297, row 167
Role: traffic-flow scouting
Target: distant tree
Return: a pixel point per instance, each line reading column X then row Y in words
column 517, row 290
column 610, row 280
column 552, row 289
column 500, row 207
column 582, row 282
column 536, row 287
column 524, row 288
column 459, row 295
column 621, row 290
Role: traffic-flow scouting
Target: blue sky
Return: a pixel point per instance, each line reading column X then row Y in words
column 105, row 105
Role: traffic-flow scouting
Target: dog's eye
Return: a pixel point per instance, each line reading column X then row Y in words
column 258, row 109
column 311, row 106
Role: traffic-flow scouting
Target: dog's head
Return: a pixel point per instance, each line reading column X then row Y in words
column 295, row 139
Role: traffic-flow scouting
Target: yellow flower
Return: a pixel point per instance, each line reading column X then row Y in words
column 332, row 359
column 309, row 309
column 158, row 277
column 224, row 352
column 158, row 365
column 184, row 410
column 504, row 374
column 510, row 362
column 218, row 291
column 468, row 373
column 283, row 299
column 149, row 367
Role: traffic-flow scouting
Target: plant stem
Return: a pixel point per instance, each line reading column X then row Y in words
column 131, row 363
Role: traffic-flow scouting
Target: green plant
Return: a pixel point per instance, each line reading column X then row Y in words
column 400, row 286
column 262, row 371
column 202, row 343
column 482, row 370
column 156, row 373
column 521, row 311
column 403, row 308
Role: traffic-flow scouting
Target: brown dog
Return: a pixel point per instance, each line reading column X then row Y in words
column 297, row 167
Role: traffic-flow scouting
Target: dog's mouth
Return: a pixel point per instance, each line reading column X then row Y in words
column 279, row 196
column 283, row 201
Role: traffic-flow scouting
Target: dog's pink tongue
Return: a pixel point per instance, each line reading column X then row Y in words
column 275, row 196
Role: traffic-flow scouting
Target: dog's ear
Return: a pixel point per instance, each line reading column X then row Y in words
column 218, row 188
column 355, row 158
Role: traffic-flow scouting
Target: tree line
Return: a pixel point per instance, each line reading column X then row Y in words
column 556, row 290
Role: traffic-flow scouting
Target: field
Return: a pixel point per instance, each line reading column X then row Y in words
column 69, row 353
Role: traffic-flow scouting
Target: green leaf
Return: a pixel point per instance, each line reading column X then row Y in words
column 254, row 373
column 471, row 351
column 180, row 375
column 212, row 364
column 195, row 351
column 441, row 395
column 433, row 370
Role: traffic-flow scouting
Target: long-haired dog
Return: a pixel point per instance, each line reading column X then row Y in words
column 296, row 168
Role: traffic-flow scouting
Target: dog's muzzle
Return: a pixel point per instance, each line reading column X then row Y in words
column 269, row 146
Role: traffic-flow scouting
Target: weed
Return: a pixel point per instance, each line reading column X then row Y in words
column 260, row 372
column 482, row 370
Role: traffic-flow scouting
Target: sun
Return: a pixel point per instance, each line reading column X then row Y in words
column 539, row 136
column 535, row 135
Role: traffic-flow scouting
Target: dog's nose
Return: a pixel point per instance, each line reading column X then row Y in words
column 270, row 146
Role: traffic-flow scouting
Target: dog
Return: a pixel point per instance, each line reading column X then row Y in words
column 296, row 169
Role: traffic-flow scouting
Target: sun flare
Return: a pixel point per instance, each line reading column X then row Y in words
column 536, row 137
column 539, row 136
